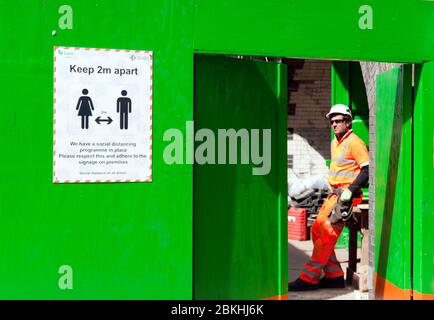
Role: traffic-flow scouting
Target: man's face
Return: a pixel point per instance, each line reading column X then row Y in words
column 339, row 125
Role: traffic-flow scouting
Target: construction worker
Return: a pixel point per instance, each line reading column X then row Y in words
column 348, row 174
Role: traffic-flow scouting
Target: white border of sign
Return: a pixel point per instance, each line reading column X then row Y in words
column 150, row 55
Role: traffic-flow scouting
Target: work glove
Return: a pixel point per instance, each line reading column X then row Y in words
column 346, row 195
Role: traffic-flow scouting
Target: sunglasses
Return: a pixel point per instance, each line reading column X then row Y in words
column 336, row 121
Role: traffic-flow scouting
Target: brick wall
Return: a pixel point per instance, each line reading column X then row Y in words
column 309, row 89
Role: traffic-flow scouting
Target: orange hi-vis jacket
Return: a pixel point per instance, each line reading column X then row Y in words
column 348, row 156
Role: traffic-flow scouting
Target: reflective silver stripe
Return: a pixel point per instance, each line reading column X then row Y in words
column 312, row 274
column 344, row 161
column 366, row 163
column 315, row 265
column 344, row 150
column 341, row 159
column 332, row 268
column 343, row 174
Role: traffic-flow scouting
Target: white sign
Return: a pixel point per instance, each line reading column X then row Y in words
column 102, row 115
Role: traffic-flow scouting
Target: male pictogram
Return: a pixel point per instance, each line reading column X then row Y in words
column 123, row 108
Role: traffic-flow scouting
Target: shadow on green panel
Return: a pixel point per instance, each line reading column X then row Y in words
column 236, row 213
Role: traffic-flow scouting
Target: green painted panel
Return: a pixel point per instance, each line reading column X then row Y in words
column 393, row 178
column 423, row 191
column 359, row 100
column 401, row 29
column 340, row 79
column 240, row 219
column 360, row 127
column 124, row 240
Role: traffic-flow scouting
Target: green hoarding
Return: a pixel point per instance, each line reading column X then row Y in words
column 135, row 240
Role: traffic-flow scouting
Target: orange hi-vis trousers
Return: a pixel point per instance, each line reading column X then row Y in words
column 324, row 237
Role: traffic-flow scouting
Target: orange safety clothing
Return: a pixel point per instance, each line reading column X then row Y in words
column 348, row 156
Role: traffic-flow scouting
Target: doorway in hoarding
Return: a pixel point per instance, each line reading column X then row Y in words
column 245, row 92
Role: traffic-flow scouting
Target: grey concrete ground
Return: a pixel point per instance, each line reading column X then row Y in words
column 298, row 253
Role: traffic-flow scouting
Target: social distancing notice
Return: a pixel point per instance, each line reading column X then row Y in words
column 102, row 115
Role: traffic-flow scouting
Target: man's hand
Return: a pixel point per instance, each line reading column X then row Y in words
column 346, row 195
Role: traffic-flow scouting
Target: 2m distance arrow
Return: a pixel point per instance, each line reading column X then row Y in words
column 99, row 120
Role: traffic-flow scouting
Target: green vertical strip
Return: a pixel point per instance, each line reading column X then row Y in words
column 340, row 82
column 348, row 88
column 282, row 217
column 360, row 109
column 340, row 85
column 393, row 183
column 236, row 214
column 359, row 102
column 423, row 210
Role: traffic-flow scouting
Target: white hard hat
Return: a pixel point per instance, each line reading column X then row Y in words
column 340, row 109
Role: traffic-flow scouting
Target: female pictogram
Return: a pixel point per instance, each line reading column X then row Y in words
column 85, row 107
